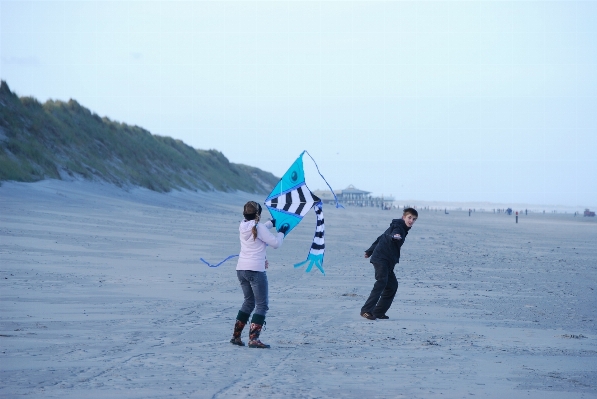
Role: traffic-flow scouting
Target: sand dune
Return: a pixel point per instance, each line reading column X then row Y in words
column 103, row 295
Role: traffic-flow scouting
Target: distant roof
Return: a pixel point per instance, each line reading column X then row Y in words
column 348, row 190
column 352, row 190
column 326, row 194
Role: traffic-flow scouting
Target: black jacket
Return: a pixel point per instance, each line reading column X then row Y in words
column 386, row 248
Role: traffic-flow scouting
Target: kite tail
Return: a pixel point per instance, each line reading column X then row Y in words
column 338, row 205
column 316, row 252
column 216, row 265
column 316, row 260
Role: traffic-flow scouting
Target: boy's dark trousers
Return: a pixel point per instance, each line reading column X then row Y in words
column 383, row 292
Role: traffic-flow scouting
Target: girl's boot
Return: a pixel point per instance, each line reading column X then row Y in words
column 241, row 322
column 257, row 323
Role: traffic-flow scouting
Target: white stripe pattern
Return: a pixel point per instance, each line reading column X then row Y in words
column 294, row 204
column 318, row 245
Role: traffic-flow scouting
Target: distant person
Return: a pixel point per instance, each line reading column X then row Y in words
column 250, row 270
column 384, row 254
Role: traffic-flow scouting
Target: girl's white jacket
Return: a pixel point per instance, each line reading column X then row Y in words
column 252, row 252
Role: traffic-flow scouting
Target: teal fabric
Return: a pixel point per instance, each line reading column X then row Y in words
column 283, row 218
column 242, row 316
column 294, row 177
column 258, row 319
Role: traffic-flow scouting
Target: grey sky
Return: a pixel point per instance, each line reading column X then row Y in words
column 451, row 101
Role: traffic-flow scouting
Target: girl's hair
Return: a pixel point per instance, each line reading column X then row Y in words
column 252, row 211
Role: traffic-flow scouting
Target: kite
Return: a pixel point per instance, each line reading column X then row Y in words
column 289, row 202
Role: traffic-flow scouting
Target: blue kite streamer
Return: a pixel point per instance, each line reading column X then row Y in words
column 326, row 182
column 216, row 265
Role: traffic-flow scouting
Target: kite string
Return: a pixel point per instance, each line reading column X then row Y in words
column 326, row 182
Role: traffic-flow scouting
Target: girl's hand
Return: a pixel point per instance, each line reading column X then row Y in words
column 266, row 264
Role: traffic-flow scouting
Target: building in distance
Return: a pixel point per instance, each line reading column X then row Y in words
column 353, row 196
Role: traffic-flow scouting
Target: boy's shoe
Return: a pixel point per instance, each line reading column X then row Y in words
column 383, row 317
column 368, row 316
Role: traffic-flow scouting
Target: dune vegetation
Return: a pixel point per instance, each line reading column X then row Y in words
column 63, row 140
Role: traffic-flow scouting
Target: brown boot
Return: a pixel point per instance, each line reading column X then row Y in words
column 255, row 330
column 241, row 322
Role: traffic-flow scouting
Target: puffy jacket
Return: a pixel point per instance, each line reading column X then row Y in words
column 252, row 251
column 387, row 248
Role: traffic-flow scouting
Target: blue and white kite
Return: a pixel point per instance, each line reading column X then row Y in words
column 289, row 202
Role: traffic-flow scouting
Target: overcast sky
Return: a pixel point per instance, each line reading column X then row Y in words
column 451, row 101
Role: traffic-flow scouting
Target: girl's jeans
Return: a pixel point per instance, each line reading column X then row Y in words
column 254, row 285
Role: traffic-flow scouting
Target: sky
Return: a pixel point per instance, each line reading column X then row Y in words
column 437, row 101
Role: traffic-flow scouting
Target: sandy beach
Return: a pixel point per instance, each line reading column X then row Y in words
column 103, row 295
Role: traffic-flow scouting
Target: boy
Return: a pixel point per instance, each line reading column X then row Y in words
column 385, row 254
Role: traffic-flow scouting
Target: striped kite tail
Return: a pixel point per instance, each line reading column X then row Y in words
column 315, row 257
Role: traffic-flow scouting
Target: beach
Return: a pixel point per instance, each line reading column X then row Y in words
column 103, row 295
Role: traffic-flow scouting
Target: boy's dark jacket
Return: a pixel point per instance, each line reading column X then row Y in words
column 387, row 249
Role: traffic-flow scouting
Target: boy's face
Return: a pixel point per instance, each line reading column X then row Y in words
column 409, row 219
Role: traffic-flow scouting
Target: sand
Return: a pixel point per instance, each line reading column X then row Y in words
column 103, row 296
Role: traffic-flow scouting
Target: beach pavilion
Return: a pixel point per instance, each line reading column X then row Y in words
column 354, row 197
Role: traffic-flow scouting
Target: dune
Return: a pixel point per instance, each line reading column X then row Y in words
column 103, row 295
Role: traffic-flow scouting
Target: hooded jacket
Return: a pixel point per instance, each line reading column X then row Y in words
column 386, row 248
column 252, row 251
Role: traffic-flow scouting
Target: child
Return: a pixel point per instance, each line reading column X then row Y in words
column 385, row 254
column 254, row 237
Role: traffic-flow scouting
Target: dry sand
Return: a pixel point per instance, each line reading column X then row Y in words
column 103, row 295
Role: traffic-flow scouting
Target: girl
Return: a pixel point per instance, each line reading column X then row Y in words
column 254, row 237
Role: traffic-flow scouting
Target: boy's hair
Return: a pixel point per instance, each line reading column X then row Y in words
column 412, row 211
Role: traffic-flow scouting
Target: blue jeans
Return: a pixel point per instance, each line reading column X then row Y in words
column 254, row 285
